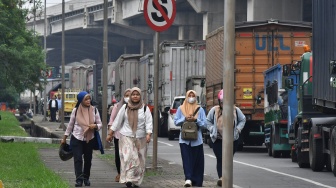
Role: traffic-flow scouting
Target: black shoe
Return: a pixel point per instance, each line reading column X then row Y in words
column 79, row 183
column 87, row 182
column 128, row 184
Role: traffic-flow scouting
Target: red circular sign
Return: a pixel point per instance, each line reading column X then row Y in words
column 159, row 14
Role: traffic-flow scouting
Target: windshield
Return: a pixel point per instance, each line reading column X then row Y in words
column 177, row 103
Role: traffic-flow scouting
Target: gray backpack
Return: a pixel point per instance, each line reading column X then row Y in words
column 190, row 129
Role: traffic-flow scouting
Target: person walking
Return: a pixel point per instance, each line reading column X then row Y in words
column 84, row 120
column 134, row 121
column 59, row 103
column 53, row 107
column 110, row 109
column 215, row 127
column 192, row 150
column 114, row 113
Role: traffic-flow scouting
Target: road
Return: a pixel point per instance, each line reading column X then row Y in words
column 253, row 168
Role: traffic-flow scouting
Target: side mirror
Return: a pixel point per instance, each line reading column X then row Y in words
column 258, row 99
column 289, row 83
column 166, row 109
column 286, row 70
column 297, row 65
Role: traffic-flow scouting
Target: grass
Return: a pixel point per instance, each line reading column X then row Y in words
column 20, row 163
column 9, row 125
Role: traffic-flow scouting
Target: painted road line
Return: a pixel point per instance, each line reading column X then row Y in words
column 276, row 172
column 212, row 156
column 284, row 174
column 165, row 143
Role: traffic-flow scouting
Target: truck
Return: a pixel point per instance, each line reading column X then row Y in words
column 280, row 108
column 126, row 73
column 258, row 46
column 181, row 63
column 313, row 133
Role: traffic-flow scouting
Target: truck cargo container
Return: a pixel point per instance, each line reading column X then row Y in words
column 313, row 133
column 280, row 108
column 127, row 73
column 179, row 62
column 258, row 46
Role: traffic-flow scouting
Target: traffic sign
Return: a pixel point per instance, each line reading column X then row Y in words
column 159, row 14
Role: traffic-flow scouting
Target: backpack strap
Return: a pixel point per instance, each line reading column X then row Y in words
column 196, row 111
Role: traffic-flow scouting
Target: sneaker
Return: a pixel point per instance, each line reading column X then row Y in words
column 219, row 182
column 187, row 183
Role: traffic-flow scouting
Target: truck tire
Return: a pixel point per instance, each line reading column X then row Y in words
column 293, row 156
column 316, row 156
column 275, row 154
column 171, row 135
column 333, row 151
column 327, row 162
column 162, row 131
column 300, row 159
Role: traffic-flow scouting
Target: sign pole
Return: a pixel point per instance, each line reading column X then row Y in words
column 156, row 99
column 159, row 15
column 228, row 91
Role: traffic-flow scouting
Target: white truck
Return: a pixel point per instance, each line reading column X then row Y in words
column 180, row 62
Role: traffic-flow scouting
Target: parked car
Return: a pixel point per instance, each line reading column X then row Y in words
column 173, row 130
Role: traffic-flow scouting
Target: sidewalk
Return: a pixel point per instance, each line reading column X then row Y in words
column 103, row 172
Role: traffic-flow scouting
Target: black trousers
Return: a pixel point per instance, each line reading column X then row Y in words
column 217, row 148
column 82, row 150
column 53, row 114
column 116, row 153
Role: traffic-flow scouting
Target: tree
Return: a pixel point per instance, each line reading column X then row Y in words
column 21, row 55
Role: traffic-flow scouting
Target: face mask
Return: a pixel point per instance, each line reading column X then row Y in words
column 191, row 100
column 126, row 99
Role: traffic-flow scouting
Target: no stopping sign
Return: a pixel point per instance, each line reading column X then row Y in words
column 159, row 14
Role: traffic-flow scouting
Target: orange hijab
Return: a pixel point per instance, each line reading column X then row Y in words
column 187, row 108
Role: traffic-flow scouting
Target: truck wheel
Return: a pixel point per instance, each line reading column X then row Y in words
column 300, row 159
column 275, row 154
column 332, row 152
column 171, row 135
column 327, row 162
column 163, row 127
column 293, row 156
column 269, row 146
column 316, row 156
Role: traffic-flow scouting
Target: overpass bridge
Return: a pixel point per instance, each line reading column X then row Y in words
column 129, row 33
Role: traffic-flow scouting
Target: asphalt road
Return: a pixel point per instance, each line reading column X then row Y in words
column 253, row 168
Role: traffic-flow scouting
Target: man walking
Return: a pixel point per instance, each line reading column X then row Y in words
column 53, row 107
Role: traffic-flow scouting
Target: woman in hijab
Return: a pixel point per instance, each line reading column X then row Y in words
column 192, row 150
column 215, row 127
column 83, row 122
column 135, row 126
column 114, row 113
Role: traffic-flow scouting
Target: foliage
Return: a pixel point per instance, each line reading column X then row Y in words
column 21, row 55
column 10, row 95
column 9, row 125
